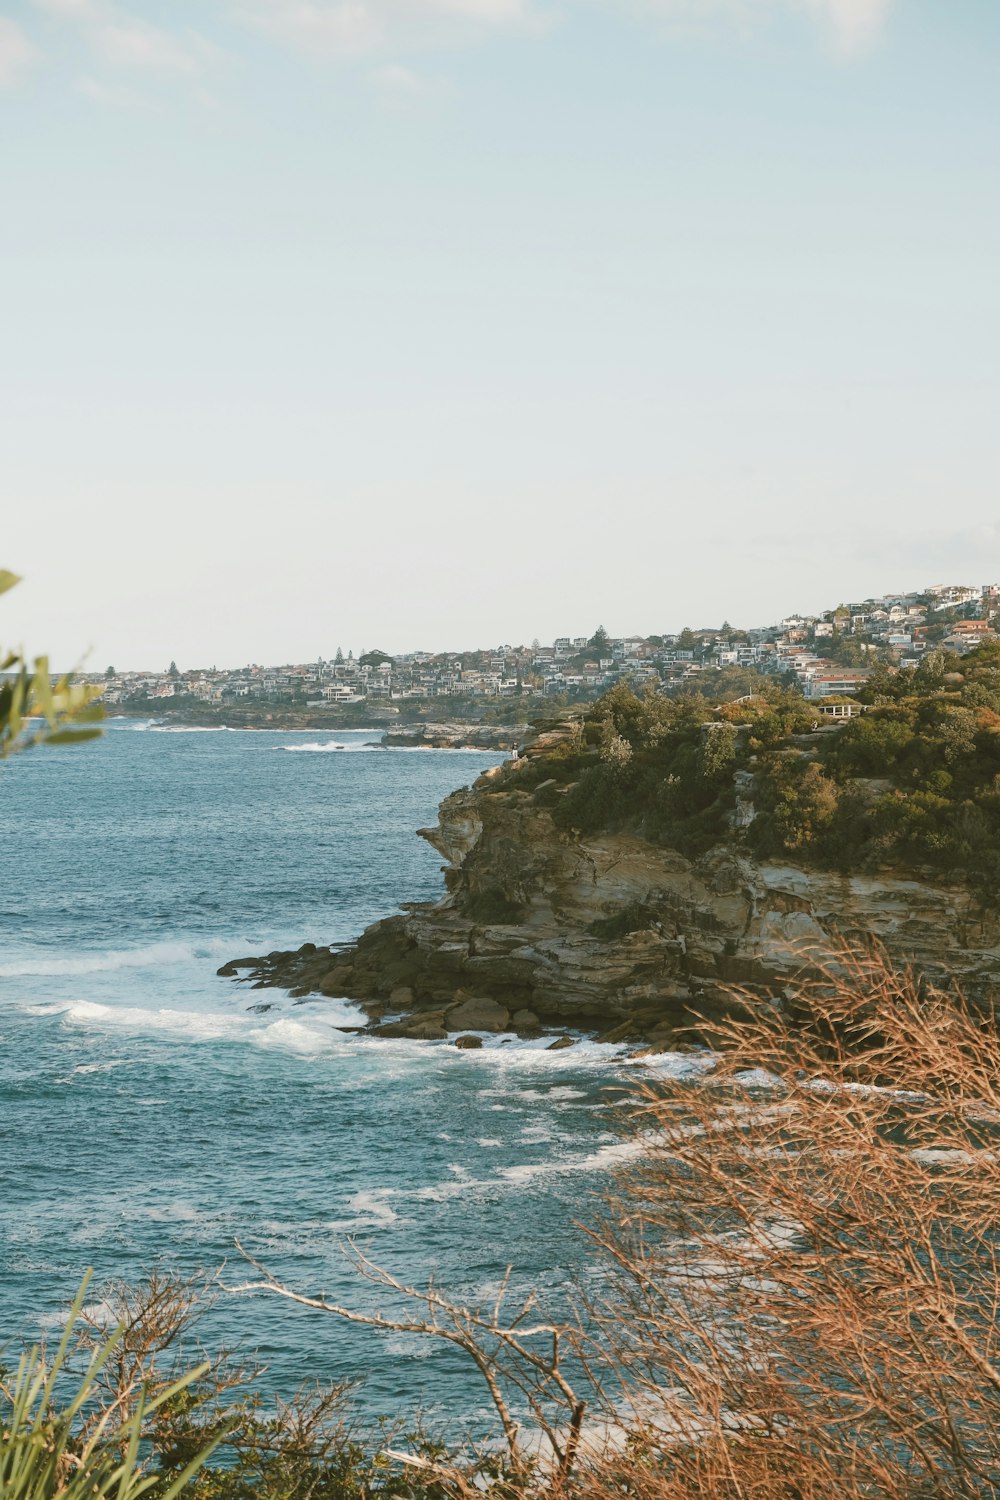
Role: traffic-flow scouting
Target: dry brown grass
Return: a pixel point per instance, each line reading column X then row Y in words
column 804, row 1295
column 801, row 1289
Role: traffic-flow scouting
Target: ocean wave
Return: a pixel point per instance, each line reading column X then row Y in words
column 284, row 1033
column 197, row 1026
column 370, row 1206
column 604, row 1159
column 317, row 748
column 679, row 1064
column 116, row 958
column 296, row 1036
column 314, row 748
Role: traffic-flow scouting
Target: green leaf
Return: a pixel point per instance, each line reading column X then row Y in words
column 71, row 736
column 90, row 715
column 7, row 580
column 41, row 690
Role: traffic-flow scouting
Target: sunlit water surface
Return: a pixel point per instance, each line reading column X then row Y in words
column 149, row 1117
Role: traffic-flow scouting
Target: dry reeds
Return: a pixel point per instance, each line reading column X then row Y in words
column 804, row 1291
column 801, row 1289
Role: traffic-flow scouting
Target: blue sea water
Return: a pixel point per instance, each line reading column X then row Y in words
column 149, row 1116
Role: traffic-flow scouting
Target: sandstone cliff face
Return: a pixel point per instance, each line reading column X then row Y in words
column 539, row 919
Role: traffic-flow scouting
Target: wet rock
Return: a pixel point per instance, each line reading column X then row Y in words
column 426, row 1032
column 412, row 1031
column 710, row 923
column 663, row 1031
column 478, row 1015
column 229, row 970
column 262, row 1008
column 626, row 1032
column 391, row 1029
column 468, row 1043
column 560, row 1043
column 335, row 981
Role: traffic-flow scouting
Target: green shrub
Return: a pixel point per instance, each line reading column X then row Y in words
column 915, row 781
column 57, row 1438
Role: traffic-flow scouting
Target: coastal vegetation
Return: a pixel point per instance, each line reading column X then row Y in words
column 797, row 1272
column 37, row 709
column 911, row 780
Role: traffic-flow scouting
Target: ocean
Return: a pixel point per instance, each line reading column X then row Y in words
column 151, row 1115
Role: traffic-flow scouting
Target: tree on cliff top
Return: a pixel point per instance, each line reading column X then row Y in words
column 600, row 642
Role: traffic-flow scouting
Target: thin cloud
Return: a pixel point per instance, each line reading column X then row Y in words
column 855, row 24
column 400, row 88
column 365, row 26
column 852, row 25
column 133, row 44
column 124, row 41
column 70, row 10
column 16, row 52
column 120, row 38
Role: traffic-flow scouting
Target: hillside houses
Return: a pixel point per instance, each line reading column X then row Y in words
column 827, row 655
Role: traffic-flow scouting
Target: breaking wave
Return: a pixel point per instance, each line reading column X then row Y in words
column 158, row 954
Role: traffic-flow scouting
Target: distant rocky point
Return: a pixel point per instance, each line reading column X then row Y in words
column 544, row 928
column 455, row 737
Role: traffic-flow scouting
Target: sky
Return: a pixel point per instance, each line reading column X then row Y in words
column 427, row 324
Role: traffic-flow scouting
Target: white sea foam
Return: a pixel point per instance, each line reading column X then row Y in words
column 317, row 747
column 370, row 1206
column 101, row 1313
column 194, row 1025
column 297, row 1036
column 157, row 954
column 83, row 1069
column 284, row 1033
column 411, row 1346
column 604, row 1159
column 177, row 1212
column 680, row 1064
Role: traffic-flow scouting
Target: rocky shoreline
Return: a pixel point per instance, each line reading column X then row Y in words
column 316, row 970
column 451, row 736
column 393, row 732
column 542, row 930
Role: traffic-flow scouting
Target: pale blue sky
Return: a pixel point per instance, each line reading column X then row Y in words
column 422, row 323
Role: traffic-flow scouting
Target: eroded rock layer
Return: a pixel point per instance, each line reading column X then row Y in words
column 614, row 934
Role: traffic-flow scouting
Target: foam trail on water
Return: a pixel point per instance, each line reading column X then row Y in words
column 123, row 958
column 314, row 748
column 302, row 1035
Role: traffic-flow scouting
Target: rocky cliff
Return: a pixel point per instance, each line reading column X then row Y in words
column 614, row 934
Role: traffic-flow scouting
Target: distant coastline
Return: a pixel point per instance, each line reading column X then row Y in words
column 408, row 730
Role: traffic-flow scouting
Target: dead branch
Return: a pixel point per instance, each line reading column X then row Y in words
column 500, row 1349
